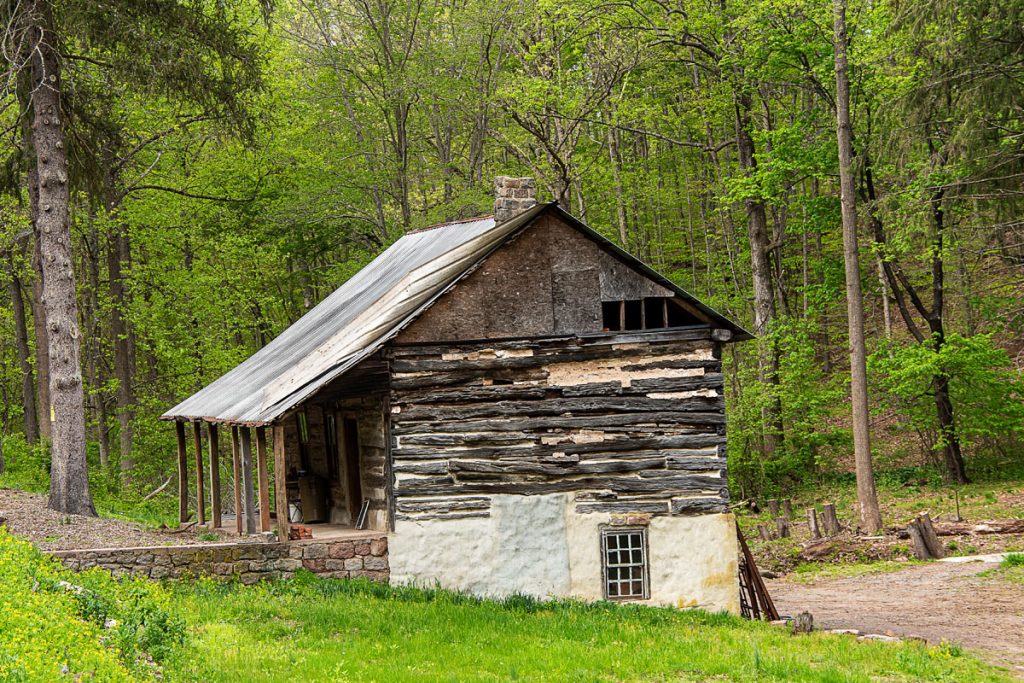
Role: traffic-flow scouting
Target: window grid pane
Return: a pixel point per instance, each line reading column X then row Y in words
column 625, row 564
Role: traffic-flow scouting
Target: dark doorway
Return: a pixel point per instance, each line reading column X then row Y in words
column 350, row 436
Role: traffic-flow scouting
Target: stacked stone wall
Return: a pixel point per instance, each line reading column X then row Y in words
column 248, row 562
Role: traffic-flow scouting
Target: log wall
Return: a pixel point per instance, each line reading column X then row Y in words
column 627, row 427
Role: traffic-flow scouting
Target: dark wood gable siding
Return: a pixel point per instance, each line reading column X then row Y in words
column 549, row 280
column 630, row 426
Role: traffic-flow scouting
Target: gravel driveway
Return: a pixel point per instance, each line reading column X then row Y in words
column 939, row 601
column 29, row 517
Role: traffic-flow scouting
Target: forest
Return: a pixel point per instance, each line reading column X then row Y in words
column 182, row 179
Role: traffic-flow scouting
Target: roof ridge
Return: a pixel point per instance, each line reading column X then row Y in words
column 447, row 223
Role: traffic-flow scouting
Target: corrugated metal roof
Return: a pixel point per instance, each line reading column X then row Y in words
column 363, row 314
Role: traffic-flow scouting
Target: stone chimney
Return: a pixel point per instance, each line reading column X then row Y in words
column 512, row 196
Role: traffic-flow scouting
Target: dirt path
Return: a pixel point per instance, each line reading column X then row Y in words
column 28, row 516
column 939, row 602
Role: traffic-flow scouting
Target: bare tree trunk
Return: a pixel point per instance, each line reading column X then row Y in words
column 760, row 268
column 44, row 407
column 870, row 518
column 118, row 254
column 69, row 480
column 28, row 399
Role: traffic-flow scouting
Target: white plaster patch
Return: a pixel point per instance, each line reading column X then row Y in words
column 515, row 353
column 706, row 393
column 611, row 370
column 520, row 548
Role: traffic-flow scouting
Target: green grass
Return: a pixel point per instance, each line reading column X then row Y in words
column 809, row 572
column 316, row 630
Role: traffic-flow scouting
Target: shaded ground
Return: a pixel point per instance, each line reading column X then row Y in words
column 28, row 516
column 939, row 601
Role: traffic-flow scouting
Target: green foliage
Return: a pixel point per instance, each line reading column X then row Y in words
column 1013, row 560
column 986, row 388
column 809, row 403
column 86, row 626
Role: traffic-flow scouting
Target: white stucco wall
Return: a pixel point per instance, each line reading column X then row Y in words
column 539, row 545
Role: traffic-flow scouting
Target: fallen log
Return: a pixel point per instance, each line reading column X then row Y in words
column 1012, row 526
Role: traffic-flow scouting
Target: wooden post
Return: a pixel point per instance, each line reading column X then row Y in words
column 197, row 432
column 764, row 532
column 263, row 478
column 216, row 520
column 812, row 523
column 247, row 494
column 179, row 428
column 236, row 468
column 829, row 520
column 787, row 510
column 280, row 484
column 773, row 507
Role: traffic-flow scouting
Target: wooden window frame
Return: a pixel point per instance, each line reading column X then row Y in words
column 609, row 567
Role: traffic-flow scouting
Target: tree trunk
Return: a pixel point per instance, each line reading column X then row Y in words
column 952, row 455
column 764, row 300
column 118, row 254
column 28, row 399
column 69, row 480
column 42, row 387
column 870, row 518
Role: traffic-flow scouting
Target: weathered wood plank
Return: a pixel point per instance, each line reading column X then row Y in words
column 179, row 431
column 699, row 506
column 262, row 476
column 682, row 446
column 443, row 504
column 280, row 484
column 562, row 406
column 215, row 512
column 563, row 423
column 465, row 469
column 197, row 433
column 236, row 467
column 247, row 491
column 650, row 507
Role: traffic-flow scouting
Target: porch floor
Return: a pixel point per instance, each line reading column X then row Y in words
column 321, row 531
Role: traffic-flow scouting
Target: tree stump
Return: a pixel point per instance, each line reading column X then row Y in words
column 829, row 520
column 803, row 623
column 812, row 523
column 764, row 531
column 787, row 509
column 921, row 551
column 773, row 508
column 931, row 539
column 783, row 527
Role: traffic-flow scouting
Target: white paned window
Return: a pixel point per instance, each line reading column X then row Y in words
column 624, row 564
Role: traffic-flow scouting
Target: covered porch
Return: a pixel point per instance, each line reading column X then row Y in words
column 319, row 472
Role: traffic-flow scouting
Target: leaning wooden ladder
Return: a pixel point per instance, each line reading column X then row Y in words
column 755, row 603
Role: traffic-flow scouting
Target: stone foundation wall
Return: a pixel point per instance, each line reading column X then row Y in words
column 249, row 562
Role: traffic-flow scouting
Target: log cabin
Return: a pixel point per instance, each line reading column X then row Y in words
column 519, row 404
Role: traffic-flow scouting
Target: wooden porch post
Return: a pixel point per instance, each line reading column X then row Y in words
column 179, row 428
column 215, row 519
column 249, row 503
column 263, row 476
column 236, row 467
column 280, row 485
column 197, row 432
